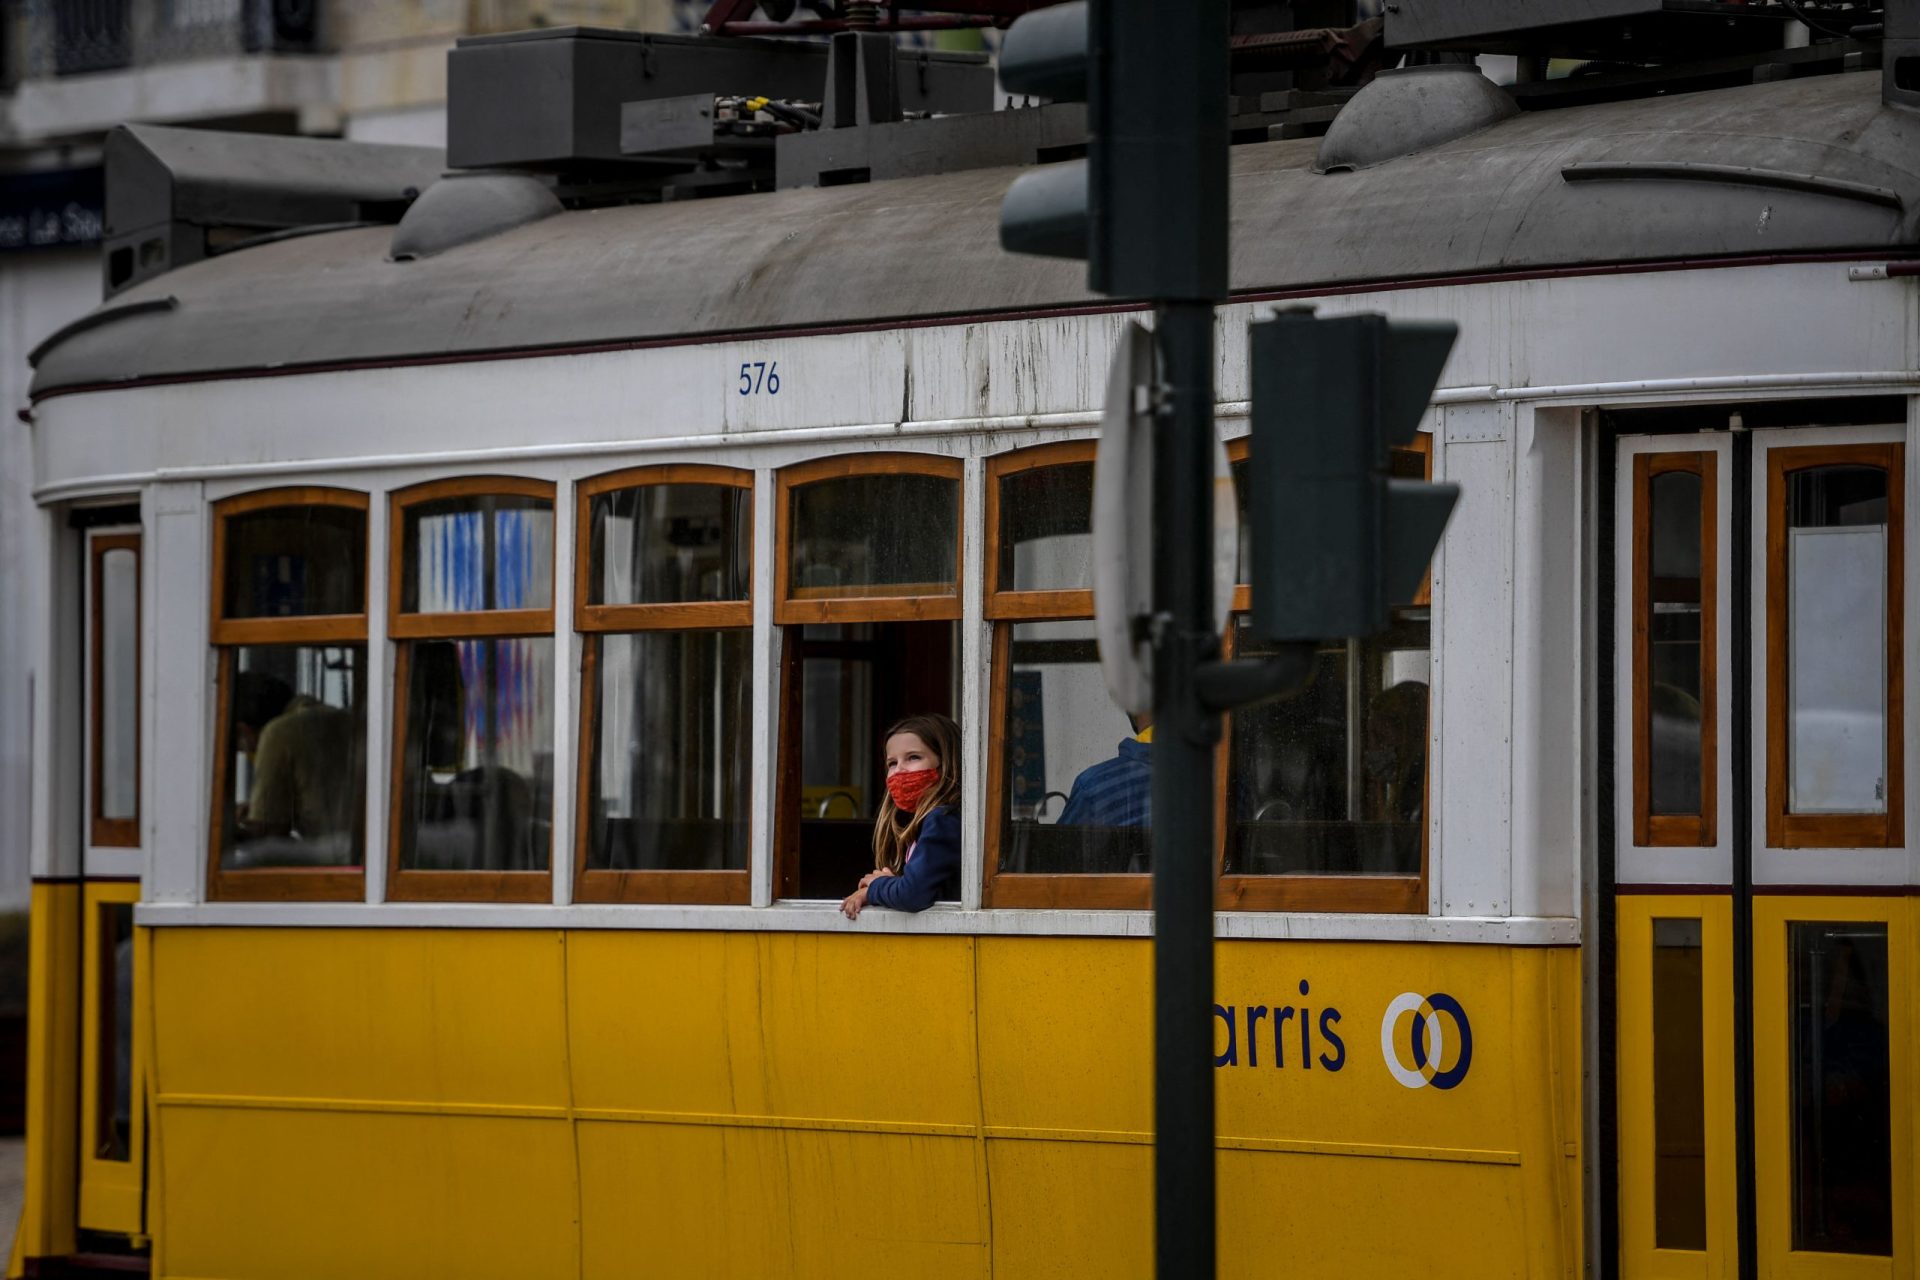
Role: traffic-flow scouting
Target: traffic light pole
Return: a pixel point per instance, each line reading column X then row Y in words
column 1185, row 734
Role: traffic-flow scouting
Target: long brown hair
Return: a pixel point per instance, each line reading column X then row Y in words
column 894, row 830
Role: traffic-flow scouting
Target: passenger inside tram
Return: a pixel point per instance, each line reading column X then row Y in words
column 299, row 803
column 916, row 837
column 846, row 683
column 1116, row 792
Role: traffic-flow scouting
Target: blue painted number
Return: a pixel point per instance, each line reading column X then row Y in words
column 759, row 376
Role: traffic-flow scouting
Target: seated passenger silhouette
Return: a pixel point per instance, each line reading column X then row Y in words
column 1395, row 758
column 303, row 760
column 1116, row 792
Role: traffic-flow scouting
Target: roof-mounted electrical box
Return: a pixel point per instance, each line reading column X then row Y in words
column 175, row 196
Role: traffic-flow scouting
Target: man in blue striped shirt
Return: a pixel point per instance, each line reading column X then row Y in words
column 1116, row 792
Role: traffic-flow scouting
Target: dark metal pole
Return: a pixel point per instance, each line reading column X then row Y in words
column 1746, row 1195
column 1184, row 735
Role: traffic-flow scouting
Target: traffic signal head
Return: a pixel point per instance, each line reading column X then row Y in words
column 1151, row 195
column 1336, row 541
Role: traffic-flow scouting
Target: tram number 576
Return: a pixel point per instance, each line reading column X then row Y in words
column 760, row 376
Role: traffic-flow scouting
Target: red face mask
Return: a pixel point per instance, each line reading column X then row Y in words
column 908, row 786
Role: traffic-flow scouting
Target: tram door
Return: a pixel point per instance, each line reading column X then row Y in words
column 1763, row 1022
column 112, row 1126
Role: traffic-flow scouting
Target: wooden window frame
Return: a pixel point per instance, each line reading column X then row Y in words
column 1004, row 609
column 789, row 614
column 275, row 884
column 104, row 832
column 853, row 606
column 1834, row 830
column 730, row 888
column 415, row 885
column 1346, row 895
column 1673, row 830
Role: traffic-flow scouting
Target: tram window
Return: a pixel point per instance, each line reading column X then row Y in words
column 1841, row 1101
column 296, row 560
column 113, row 1115
column 1674, row 660
column 1046, row 528
column 1332, row 782
column 114, row 688
column 1679, row 1088
column 845, row 684
column 1834, row 736
column 296, row 768
column 868, row 582
column 871, row 528
column 290, row 633
column 1069, row 797
column 665, row 555
column 472, row 612
column 475, row 552
column 1326, row 792
column 1076, row 772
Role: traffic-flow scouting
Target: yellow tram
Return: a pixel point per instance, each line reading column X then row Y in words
column 552, row 584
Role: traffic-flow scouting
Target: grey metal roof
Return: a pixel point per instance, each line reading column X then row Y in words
column 1801, row 166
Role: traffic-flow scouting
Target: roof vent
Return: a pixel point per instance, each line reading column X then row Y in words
column 465, row 207
column 1410, row 110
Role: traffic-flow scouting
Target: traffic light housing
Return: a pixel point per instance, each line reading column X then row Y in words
column 1147, row 208
column 1337, row 541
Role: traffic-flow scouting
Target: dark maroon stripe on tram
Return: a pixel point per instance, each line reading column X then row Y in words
column 718, row 337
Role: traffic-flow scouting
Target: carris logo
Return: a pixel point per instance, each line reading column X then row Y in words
column 1426, row 1041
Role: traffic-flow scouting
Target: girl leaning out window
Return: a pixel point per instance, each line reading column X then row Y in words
column 916, row 838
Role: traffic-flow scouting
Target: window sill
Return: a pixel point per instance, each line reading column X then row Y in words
column 822, row 917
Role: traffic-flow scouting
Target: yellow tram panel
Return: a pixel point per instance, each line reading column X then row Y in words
column 615, row 1103
column 47, row 1216
column 1772, row 1085
column 1639, row 1154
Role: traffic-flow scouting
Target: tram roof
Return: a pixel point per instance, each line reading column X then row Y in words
column 1801, row 166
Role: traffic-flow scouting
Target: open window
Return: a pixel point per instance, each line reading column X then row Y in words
column 663, row 597
column 1835, row 745
column 867, row 597
column 1326, row 792
column 289, row 631
column 1069, row 788
column 471, row 614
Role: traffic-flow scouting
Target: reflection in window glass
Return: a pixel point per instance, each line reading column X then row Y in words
column 296, row 730
column 670, row 544
column 1333, row 780
column 1046, row 529
column 477, row 782
column 891, row 534
column 1078, row 782
column 1841, row 1090
column 1837, row 640
column 291, row 562
column 113, row 1120
column 1674, row 633
column 1679, row 1089
column 491, row 551
column 116, row 787
column 670, row 787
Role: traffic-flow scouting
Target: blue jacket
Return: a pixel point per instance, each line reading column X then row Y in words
column 1114, row 793
column 931, row 873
